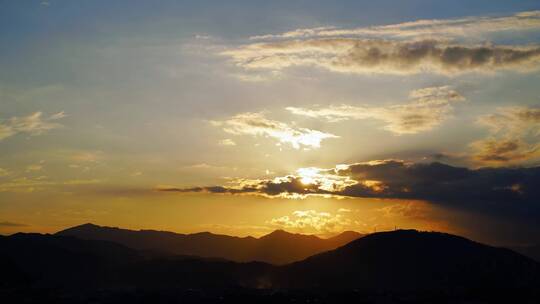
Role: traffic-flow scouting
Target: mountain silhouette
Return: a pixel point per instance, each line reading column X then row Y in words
column 406, row 265
column 65, row 261
column 412, row 260
column 278, row 247
column 532, row 251
column 59, row 260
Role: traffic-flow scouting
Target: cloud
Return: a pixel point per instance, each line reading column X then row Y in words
column 78, row 182
column 394, row 179
column 26, row 184
column 367, row 56
column 482, row 200
column 408, row 210
column 461, row 27
column 4, row 172
column 33, row 125
column 256, row 124
column 514, row 136
column 306, row 181
column 136, row 174
column 40, row 183
column 492, row 150
column 208, row 166
column 88, row 156
column 298, row 33
column 227, row 142
column 11, row 224
column 34, row 168
column 312, row 221
column 238, row 229
column 428, row 108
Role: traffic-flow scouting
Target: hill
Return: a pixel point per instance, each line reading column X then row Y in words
column 403, row 266
column 278, row 247
column 412, row 260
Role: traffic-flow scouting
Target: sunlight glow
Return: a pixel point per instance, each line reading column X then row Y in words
column 324, row 178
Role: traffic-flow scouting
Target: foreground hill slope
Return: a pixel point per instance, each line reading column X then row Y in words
column 412, row 260
column 278, row 247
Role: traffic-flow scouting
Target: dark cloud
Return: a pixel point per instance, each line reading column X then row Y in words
column 488, row 189
column 447, row 58
column 439, row 156
column 438, row 182
column 286, row 185
column 498, row 205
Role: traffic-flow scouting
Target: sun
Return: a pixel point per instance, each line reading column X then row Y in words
column 307, row 181
column 308, row 176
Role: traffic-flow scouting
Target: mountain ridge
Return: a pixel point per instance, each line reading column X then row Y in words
column 206, row 244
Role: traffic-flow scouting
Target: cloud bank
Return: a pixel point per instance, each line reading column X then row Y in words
column 514, row 190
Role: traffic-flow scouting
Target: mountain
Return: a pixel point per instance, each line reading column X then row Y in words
column 403, row 266
column 278, row 247
column 66, row 263
column 412, row 260
column 532, row 251
column 59, row 260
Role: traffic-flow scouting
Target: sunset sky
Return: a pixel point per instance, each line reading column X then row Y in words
column 242, row 117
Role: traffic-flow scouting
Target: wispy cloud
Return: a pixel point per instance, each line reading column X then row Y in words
column 256, row 124
column 514, row 136
column 308, row 221
column 88, row 156
column 428, row 108
column 41, row 183
column 34, row 168
column 367, row 56
column 26, row 184
column 468, row 26
column 11, row 224
column 441, row 46
column 4, row 172
column 227, row 142
column 33, row 124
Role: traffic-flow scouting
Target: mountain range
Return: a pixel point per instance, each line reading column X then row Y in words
column 278, row 247
column 401, row 266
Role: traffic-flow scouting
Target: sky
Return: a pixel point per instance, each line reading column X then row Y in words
column 242, row 117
